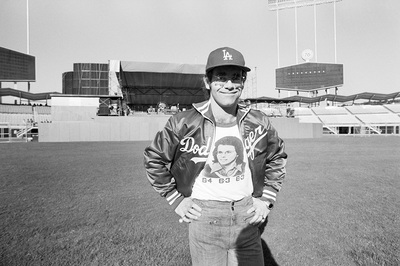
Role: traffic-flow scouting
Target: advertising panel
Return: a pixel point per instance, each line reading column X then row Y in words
column 15, row 66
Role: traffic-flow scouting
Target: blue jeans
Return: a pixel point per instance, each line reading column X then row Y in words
column 223, row 236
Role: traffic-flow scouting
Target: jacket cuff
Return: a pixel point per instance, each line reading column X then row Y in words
column 174, row 198
column 269, row 194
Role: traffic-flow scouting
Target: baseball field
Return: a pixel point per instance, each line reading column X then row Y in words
column 90, row 203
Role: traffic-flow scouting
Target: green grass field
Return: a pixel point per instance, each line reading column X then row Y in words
column 90, row 204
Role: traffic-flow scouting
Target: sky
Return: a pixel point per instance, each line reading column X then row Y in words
column 62, row 33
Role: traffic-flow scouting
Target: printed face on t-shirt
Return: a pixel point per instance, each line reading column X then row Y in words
column 226, row 155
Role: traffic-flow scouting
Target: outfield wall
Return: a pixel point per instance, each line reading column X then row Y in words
column 74, row 119
column 143, row 128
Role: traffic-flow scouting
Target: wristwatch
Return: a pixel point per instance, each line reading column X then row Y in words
column 270, row 205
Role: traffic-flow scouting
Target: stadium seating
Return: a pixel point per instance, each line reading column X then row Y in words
column 43, row 118
column 15, row 119
column 15, row 109
column 272, row 111
column 382, row 119
column 301, row 111
column 330, row 110
column 367, row 109
column 370, row 119
column 43, row 110
column 22, row 114
column 339, row 120
column 395, row 108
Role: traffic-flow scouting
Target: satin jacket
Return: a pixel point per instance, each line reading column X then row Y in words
column 179, row 152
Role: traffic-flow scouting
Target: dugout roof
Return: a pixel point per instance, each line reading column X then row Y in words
column 146, row 83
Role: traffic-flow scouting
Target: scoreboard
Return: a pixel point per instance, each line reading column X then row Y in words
column 309, row 77
column 15, row 66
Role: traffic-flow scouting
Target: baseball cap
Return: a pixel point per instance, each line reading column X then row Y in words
column 226, row 56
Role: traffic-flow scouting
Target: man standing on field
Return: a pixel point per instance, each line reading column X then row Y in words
column 223, row 210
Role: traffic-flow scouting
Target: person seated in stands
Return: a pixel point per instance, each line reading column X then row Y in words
column 289, row 112
column 150, row 109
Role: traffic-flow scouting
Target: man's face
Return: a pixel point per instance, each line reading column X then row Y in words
column 226, row 154
column 226, row 85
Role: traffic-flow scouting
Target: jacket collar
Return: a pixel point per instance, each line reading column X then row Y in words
column 204, row 108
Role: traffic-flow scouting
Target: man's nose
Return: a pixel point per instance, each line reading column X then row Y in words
column 229, row 84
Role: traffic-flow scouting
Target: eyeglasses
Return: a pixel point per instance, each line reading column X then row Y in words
column 237, row 79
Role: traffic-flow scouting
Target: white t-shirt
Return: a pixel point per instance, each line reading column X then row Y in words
column 226, row 175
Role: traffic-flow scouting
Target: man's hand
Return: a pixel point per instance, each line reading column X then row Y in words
column 188, row 210
column 260, row 210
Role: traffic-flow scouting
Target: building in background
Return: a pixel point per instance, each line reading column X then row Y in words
column 86, row 79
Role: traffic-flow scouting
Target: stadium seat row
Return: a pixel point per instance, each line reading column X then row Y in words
column 15, row 119
column 15, row 109
column 354, row 109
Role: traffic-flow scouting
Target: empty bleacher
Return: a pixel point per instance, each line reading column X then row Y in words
column 15, row 109
column 367, row 109
column 339, row 120
column 43, row 110
column 42, row 114
column 301, row 111
column 381, row 119
column 395, row 108
column 22, row 114
column 369, row 119
column 329, row 110
column 16, row 119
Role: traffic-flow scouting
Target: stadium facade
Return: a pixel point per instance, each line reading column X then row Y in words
column 96, row 98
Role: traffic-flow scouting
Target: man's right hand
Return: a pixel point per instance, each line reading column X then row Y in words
column 188, row 210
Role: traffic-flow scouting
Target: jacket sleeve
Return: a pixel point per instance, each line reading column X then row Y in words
column 158, row 157
column 275, row 170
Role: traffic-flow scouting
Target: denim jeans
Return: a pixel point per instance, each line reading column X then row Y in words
column 223, row 236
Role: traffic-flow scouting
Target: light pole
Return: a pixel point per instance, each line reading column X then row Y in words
column 27, row 39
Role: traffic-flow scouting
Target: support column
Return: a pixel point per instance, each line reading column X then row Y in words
column 334, row 27
column 315, row 33
column 29, row 90
column 295, row 26
column 277, row 35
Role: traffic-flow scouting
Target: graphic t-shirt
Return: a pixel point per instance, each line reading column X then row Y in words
column 226, row 175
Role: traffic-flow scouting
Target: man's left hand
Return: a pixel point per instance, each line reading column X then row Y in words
column 260, row 211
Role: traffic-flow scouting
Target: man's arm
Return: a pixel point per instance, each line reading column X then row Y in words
column 273, row 176
column 275, row 170
column 157, row 158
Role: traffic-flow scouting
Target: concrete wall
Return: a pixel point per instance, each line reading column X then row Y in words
column 122, row 128
column 73, row 113
column 141, row 128
column 74, row 108
column 291, row 128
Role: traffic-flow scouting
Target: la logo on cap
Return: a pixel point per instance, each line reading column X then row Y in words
column 227, row 55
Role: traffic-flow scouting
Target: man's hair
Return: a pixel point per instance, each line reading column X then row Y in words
column 232, row 141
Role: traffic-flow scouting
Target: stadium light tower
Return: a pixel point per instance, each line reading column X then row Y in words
column 27, row 26
column 27, row 38
column 276, row 5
